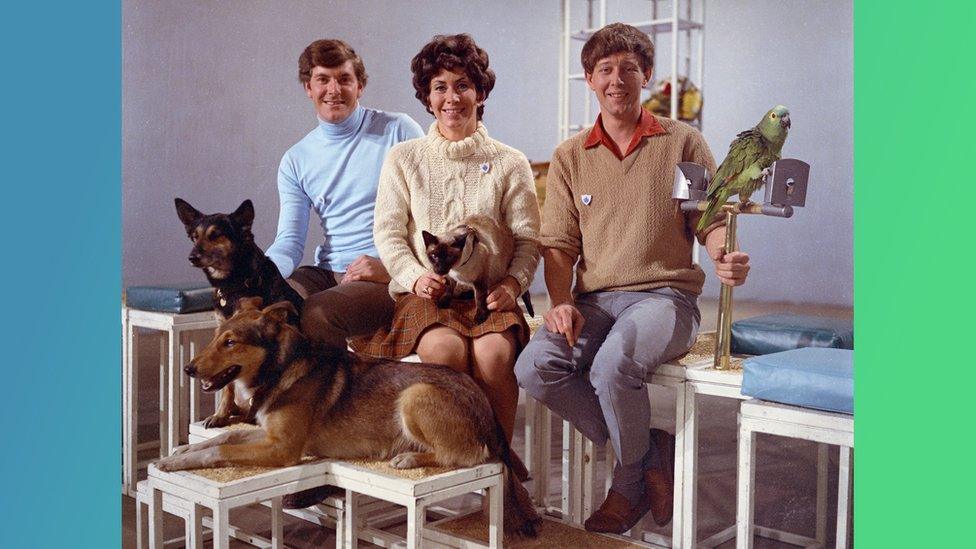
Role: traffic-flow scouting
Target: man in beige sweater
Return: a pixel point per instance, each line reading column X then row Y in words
column 609, row 212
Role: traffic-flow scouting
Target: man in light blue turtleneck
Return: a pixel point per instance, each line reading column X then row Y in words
column 335, row 170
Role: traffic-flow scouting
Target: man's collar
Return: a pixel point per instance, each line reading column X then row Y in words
column 647, row 126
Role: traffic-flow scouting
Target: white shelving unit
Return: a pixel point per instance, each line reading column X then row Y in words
column 681, row 21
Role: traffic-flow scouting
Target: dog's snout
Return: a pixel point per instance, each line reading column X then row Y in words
column 194, row 257
column 190, row 369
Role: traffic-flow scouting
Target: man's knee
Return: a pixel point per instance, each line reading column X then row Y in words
column 537, row 364
column 322, row 307
column 616, row 371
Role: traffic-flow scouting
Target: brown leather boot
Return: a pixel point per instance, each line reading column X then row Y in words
column 616, row 515
column 659, row 481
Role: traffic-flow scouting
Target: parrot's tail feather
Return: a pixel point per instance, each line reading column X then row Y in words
column 706, row 218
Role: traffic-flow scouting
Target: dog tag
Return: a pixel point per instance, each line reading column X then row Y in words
column 223, row 302
column 586, row 199
column 485, row 167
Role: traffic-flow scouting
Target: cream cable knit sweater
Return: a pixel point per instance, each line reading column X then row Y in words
column 432, row 184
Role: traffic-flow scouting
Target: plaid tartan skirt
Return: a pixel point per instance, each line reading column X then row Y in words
column 414, row 314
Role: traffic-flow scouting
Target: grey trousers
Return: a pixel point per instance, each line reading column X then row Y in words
column 598, row 385
column 334, row 312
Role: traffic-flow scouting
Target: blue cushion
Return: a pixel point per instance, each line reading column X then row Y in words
column 812, row 377
column 766, row 334
column 172, row 298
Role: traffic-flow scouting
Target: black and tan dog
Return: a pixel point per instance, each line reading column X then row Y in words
column 326, row 402
column 223, row 246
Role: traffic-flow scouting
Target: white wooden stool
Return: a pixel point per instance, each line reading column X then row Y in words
column 372, row 487
column 756, row 416
column 195, row 492
column 580, row 493
column 195, row 524
column 175, row 351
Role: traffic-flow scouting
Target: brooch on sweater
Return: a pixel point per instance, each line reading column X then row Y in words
column 485, row 167
column 586, row 199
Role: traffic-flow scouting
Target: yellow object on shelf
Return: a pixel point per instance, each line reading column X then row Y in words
column 689, row 101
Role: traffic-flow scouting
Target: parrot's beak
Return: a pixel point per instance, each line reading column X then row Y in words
column 784, row 121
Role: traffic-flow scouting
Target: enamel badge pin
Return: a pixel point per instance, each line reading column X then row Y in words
column 485, row 167
column 586, row 199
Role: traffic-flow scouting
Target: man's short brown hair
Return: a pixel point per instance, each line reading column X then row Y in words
column 618, row 38
column 454, row 52
column 329, row 54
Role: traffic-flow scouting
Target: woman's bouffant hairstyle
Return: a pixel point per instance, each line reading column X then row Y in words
column 329, row 54
column 617, row 38
column 453, row 52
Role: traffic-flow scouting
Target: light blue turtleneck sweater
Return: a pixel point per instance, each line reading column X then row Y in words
column 335, row 170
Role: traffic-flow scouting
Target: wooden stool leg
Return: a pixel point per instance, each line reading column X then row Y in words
column 141, row 530
column 677, row 520
column 495, row 515
column 415, row 525
column 843, row 497
column 542, row 450
column 821, row 512
column 173, row 392
column 130, row 451
column 277, row 524
column 340, row 527
column 163, row 401
column 221, row 527
column 156, row 519
column 689, row 484
column 194, row 527
column 350, row 528
column 746, row 487
column 194, row 386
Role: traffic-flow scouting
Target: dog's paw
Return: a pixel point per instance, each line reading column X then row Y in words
column 218, row 420
column 406, row 460
column 171, row 463
column 180, row 450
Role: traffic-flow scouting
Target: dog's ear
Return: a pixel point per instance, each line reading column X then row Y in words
column 280, row 311
column 243, row 216
column 429, row 239
column 188, row 214
column 250, row 304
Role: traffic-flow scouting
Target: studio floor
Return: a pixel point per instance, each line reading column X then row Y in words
column 786, row 468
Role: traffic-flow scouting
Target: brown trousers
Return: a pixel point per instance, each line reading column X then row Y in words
column 334, row 312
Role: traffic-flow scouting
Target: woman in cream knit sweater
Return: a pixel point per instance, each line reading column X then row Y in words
column 432, row 184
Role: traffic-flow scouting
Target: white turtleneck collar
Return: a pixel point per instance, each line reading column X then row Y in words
column 345, row 128
column 457, row 149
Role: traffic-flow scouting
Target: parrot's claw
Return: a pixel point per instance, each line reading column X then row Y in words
column 766, row 172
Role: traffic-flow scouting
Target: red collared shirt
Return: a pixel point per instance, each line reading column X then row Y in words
column 647, row 126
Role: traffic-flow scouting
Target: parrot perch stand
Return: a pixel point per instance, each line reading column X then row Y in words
column 786, row 188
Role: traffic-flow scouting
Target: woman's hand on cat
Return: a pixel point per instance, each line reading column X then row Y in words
column 502, row 297
column 565, row 319
column 366, row 268
column 430, row 285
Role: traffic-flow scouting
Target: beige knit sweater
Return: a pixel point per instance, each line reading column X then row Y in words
column 432, row 184
column 618, row 216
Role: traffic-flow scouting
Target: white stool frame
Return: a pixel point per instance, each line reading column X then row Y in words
column 703, row 379
column 366, row 507
column 579, row 493
column 178, row 348
column 756, row 416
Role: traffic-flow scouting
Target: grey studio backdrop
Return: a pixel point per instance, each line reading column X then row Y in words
column 211, row 100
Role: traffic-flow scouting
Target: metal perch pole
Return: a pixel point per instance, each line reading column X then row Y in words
column 785, row 188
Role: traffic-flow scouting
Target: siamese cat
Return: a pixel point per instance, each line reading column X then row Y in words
column 475, row 254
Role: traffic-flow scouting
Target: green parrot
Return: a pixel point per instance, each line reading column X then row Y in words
column 751, row 154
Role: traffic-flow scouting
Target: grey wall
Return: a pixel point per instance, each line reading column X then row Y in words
column 211, row 101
